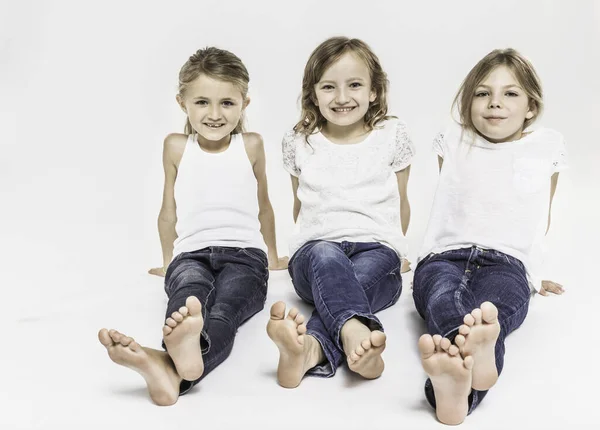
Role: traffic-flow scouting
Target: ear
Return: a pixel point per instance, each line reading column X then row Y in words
column 529, row 115
column 181, row 103
column 372, row 96
column 246, row 103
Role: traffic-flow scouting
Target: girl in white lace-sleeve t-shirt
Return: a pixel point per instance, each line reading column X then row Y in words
column 349, row 164
column 482, row 251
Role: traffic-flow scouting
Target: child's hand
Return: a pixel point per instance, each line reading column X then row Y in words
column 158, row 271
column 551, row 287
column 405, row 266
column 280, row 264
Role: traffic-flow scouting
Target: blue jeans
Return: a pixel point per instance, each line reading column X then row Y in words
column 449, row 285
column 231, row 284
column 343, row 280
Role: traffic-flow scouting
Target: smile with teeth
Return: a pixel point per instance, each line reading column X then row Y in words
column 344, row 109
column 213, row 125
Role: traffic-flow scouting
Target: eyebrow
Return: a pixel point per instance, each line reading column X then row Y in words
column 347, row 80
column 229, row 99
column 505, row 86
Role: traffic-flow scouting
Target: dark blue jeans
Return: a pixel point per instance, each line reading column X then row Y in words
column 343, row 280
column 231, row 284
column 449, row 285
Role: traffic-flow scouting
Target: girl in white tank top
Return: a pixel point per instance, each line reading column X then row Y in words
column 217, row 231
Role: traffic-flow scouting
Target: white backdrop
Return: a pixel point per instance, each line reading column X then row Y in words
column 87, row 94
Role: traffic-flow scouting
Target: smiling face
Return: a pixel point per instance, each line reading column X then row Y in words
column 214, row 107
column 344, row 91
column 500, row 106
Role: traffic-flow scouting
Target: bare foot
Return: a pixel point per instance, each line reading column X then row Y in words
column 181, row 334
column 155, row 366
column 477, row 338
column 450, row 376
column 363, row 348
column 298, row 352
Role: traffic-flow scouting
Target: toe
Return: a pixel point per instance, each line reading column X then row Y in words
column 464, row 329
column 177, row 317
column 436, row 341
column 115, row 336
column 354, row 356
column 126, row 340
column 445, row 344
column 134, row 346
column 453, row 350
column 301, row 329
column 469, row 320
column 293, row 313
column 278, row 311
column 426, row 346
column 489, row 312
column 468, row 362
column 378, row 338
column 167, row 330
column 299, row 319
column 476, row 315
column 104, row 337
column 359, row 350
column 193, row 305
column 366, row 344
column 183, row 311
column 171, row 322
column 459, row 340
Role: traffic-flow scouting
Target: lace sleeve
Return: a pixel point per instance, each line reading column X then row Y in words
column 404, row 150
column 438, row 144
column 288, row 147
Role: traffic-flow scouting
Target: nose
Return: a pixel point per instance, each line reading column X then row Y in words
column 495, row 102
column 341, row 96
column 214, row 113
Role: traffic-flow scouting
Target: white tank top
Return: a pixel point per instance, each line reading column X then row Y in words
column 216, row 198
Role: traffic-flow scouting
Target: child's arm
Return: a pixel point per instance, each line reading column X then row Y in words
column 256, row 153
column 402, row 178
column 173, row 148
column 297, row 203
column 550, row 286
column 554, row 182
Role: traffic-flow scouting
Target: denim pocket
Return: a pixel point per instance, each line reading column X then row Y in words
column 256, row 254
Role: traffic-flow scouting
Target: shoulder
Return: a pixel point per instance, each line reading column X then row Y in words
column 253, row 141
column 173, row 148
column 548, row 135
column 174, row 141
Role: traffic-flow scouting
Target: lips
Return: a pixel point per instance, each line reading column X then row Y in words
column 209, row 125
column 343, row 110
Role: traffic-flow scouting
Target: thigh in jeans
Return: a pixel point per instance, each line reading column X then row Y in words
column 377, row 268
column 440, row 294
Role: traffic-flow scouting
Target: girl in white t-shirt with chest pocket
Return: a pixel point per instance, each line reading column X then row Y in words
column 482, row 251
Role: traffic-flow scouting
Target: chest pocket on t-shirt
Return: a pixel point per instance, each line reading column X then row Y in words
column 530, row 174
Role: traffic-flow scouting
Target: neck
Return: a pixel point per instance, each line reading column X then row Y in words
column 346, row 133
column 214, row 145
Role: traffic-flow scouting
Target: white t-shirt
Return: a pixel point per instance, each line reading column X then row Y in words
column 494, row 195
column 349, row 192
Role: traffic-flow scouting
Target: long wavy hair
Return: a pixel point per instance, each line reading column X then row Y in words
column 320, row 60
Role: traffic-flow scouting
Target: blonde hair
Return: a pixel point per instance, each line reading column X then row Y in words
column 519, row 66
column 217, row 64
column 319, row 61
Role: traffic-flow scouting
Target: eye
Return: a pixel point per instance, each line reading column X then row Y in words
column 355, row 85
column 201, row 102
column 512, row 94
column 327, row 87
column 481, row 94
column 228, row 103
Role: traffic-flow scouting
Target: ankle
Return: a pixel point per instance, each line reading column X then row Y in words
column 315, row 354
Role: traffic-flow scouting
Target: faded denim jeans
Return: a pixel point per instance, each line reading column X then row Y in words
column 449, row 285
column 343, row 280
column 231, row 284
